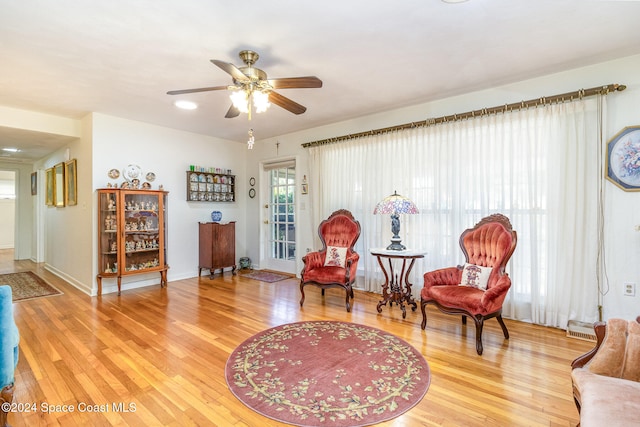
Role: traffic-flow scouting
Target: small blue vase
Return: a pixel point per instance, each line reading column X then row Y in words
column 216, row 216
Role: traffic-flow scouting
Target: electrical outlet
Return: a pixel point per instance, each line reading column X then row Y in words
column 630, row 289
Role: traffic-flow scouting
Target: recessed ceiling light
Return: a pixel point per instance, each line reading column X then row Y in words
column 186, row 105
column 11, row 150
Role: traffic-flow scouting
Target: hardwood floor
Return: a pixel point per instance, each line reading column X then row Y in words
column 156, row 356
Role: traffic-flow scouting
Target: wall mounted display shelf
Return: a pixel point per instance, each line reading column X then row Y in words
column 210, row 187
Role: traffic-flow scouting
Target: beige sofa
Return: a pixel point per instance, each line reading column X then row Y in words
column 606, row 380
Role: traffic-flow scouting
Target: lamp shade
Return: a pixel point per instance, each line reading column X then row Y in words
column 395, row 204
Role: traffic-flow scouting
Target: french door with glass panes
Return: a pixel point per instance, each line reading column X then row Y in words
column 280, row 244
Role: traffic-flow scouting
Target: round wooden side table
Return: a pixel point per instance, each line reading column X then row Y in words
column 396, row 287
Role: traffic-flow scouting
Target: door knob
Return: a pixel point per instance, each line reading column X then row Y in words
column 266, row 221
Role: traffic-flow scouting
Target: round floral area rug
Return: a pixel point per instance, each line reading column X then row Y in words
column 327, row 373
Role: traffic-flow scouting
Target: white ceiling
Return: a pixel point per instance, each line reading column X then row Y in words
column 120, row 57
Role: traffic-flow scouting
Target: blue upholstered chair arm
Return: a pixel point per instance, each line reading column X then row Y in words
column 9, row 338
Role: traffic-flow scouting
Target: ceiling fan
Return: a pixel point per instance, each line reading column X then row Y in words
column 251, row 86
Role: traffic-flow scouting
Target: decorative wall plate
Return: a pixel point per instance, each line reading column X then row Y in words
column 252, row 181
column 150, row 176
column 131, row 172
column 623, row 159
column 252, row 192
column 114, row 173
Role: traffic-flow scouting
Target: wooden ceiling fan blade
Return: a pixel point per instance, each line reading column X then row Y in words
column 232, row 112
column 232, row 70
column 286, row 103
column 201, row 89
column 296, row 82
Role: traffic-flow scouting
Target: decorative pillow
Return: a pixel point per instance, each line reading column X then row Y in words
column 475, row 276
column 336, row 256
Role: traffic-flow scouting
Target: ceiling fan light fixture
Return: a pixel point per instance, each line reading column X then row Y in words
column 252, row 90
column 240, row 100
column 260, row 101
column 244, row 99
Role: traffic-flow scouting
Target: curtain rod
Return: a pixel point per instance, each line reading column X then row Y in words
column 545, row 100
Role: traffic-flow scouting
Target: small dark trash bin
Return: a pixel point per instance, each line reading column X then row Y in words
column 245, row 262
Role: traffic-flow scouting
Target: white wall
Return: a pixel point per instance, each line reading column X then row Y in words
column 104, row 143
column 67, row 231
column 109, row 142
column 7, row 209
column 39, row 122
column 168, row 153
column 622, row 211
column 29, row 207
column 23, row 216
column 7, row 223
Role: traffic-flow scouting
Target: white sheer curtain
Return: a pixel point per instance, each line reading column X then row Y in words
column 539, row 167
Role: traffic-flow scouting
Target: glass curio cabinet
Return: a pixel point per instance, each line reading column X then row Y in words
column 131, row 234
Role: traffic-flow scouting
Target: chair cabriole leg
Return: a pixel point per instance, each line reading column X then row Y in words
column 349, row 292
column 479, row 324
column 302, row 292
column 503, row 326
column 423, row 306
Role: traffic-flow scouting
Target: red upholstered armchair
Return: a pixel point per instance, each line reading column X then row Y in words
column 335, row 265
column 478, row 288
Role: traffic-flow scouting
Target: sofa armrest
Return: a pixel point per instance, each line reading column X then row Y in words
column 313, row 260
column 600, row 329
column 493, row 297
column 443, row 277
column 353, row 257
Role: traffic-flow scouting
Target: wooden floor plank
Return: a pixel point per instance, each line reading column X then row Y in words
column 164, row 352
